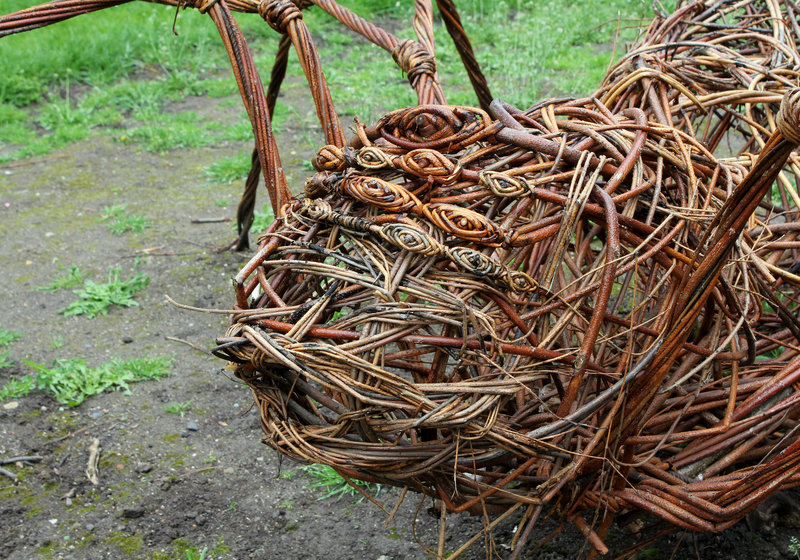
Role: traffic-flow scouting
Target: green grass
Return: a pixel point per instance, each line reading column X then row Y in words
column 240, row 130
column 186, row 550
column 178, row 408
column 230, row 169
column 526, row 49
column 103, row 47
column 262, row 219
column 195, row 554
column 121, row 222
column 114, row 71
column 8, row 336
column 71, row 381
column 96, row 298
column 104, row 71
column 173, row 131
column 71, row 279
column 17, row 388
column 5, row 361
column 794, row 547
column 332, row 485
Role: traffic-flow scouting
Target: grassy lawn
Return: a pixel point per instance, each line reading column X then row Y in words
column 115, row 71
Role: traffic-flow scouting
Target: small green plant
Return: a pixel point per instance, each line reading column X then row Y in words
column 7, row 336
column 794, row 547
column 178, row 408
column 286, row 504
column 56, row 342
column 5, row 361
column 71, row 381
column 60, row 112
column 120, row 221
column 95, row 299
column 228, row 170
column 288, row 475
column 326, row 479
column 72, row 279
column 262, row 219
column 186, row 550
column 17, row 388
column 210, row 460
column 194, row 554
column 338, row 314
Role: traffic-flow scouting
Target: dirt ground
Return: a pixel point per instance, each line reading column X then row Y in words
column 169, row 485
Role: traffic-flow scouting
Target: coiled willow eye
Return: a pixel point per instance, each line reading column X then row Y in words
column 464, row 223
column 329, row 158
column 318, row 209
column 475, row 262
column 504, row 185
column 425, row 162
column 371, row 157
column 519, row 281
column 411, row 239
column 379, row 193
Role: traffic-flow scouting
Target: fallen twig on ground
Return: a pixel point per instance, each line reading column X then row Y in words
column 91, row 465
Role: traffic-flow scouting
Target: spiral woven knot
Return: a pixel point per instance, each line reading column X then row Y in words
column 504, row 185
column 372, row 157
column 411, row 239
column 789, row 116
column 430, row 163
column 317, row 209
column 279, row 13
column 464, row 224
column 414, row 59
column 475, row 262
column 334, row 158
column 444, row 128
column 519, row 281
column 379, row 193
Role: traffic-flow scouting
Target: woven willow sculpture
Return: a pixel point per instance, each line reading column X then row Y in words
column 580, row 309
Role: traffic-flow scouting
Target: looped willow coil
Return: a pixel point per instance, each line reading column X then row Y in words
column 379, row 193
column 411, row 239
column 504, row 185
column 464, row 223
column 443, row 128
column 430, row 163
column 370, row 157
column 334, row 158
